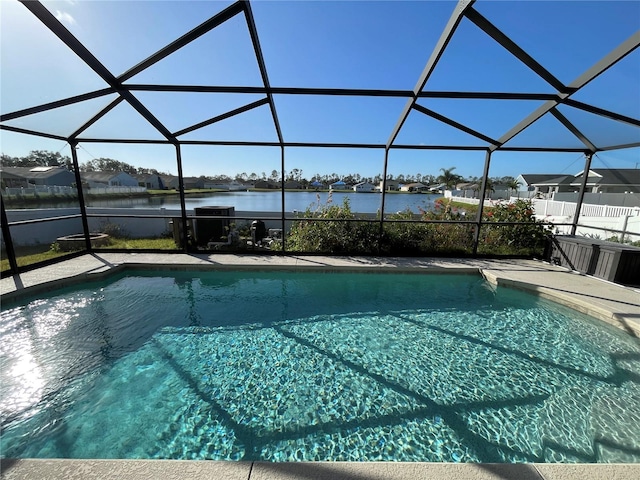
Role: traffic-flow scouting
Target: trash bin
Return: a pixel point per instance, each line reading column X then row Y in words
column 212, row 229
column 258, row 231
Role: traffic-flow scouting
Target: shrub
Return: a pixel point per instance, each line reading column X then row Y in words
column 404, row 237
column 113, row 230
column 336, row 230
column 528, row 237
column 617, row 239
column 420, row 237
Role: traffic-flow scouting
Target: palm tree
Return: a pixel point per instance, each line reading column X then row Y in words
column 514, row 185
column 489, row 188
column 448, row 178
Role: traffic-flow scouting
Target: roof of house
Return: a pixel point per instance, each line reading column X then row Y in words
column 613, row 176
column 560, row 180
column 600, row 176
column 34, row 172
column 100, row 176
column 538, row 178
column 143, row 176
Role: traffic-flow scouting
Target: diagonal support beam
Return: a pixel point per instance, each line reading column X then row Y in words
column 454, row 124
column 253, row 32
column 573, row 129
column 445, row 38
column 95, row 118
column 57, row 104
column 622, row 146
column 9, row 128
column 617, row 54
column 148, row 116
column 224, row 116
column 487, row 27
column 602, row 112
column 52, row 23
column 226, row 14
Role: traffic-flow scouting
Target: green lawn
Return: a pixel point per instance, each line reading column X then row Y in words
column 29, row 255
column 40, row 253
column 141, row 244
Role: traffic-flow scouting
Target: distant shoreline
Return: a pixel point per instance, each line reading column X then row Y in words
column 30, row 200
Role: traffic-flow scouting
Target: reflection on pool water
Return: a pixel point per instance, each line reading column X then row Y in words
column 314, row 366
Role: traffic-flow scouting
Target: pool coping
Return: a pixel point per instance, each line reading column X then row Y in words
column 614, row 304
column 203, row 469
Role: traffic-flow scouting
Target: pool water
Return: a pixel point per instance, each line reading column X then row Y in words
column 284, row 366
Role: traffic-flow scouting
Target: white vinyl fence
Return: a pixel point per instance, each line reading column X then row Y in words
column 598, row 221
column 568, row 209
column 58, row 190
column 38, row 190
column 112, row 190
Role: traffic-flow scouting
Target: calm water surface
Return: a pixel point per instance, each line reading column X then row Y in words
column 280, row 366
column 269, row 201
column 300, row 201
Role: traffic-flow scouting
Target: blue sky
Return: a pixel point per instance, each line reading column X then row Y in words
column 336, row 44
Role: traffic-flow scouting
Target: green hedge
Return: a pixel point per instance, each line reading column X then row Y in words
column 335, row 229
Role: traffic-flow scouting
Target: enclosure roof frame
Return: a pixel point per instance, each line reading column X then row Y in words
column 463, row 10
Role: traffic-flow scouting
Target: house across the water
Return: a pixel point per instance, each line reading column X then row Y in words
column 599, row 180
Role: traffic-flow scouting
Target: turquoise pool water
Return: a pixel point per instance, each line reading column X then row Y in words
column 284, row 366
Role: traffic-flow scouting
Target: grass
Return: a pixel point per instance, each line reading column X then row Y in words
column 41, row 253
column 141, row 244
column 467, row 207
column 30, row 255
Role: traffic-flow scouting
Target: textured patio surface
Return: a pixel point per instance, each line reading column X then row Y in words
column 614, row 304
column 201, row 470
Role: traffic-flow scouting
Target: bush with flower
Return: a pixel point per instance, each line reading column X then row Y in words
column 336, row 229
column 523, row 234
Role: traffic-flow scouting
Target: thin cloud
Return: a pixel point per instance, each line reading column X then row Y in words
column 65, row 17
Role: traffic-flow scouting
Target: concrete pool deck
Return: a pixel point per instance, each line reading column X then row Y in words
column 614, row 304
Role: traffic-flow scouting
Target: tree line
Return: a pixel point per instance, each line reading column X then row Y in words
column 447, row 176
column 45, row 158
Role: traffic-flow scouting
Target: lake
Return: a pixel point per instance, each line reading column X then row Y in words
column 270, row 201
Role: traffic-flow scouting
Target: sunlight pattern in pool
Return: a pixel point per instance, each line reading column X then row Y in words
column 283, row 366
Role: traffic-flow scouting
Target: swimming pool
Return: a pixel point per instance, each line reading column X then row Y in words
column 314, row 366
